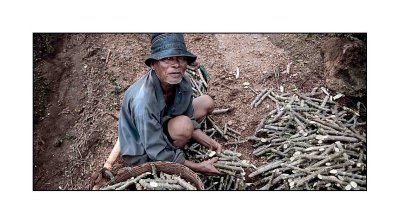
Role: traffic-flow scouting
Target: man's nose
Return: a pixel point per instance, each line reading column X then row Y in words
column 175, row 61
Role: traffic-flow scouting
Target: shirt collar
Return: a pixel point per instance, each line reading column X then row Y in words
column 183, row 86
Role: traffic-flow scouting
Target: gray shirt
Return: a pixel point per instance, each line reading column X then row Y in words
column 143, row 113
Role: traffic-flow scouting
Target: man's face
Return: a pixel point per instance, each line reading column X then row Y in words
column 170, row 70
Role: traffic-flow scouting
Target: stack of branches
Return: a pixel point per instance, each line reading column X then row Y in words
column 310, row 143
column 152, row 181
column 228, row 163
column 198, row 78
column 232, row 167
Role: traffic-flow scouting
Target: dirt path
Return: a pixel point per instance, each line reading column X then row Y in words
column 83, row 86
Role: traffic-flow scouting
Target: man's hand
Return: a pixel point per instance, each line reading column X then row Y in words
column 100, row 176
column 206, row 140
column 216, row 146
column 205, row 167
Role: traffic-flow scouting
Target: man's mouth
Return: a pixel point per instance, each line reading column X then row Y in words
column 175, row 74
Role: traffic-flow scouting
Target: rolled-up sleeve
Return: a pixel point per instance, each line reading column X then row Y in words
column 154, row 141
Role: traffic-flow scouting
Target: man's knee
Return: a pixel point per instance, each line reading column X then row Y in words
column 180, row 128
column 209, row 104
column 205, row 103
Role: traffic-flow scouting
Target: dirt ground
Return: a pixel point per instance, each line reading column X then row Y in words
column 79, row 81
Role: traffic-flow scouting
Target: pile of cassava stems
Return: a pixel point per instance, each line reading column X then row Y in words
column 229, row 164
column 310, row 143
column 152, row 181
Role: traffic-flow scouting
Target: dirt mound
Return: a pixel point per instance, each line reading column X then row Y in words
column 346, row 66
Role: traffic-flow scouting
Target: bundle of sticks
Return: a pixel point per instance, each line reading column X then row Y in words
column 198, row 78
column 228, row 163
column 232, row 167
column 152, row 181
column 309, row 143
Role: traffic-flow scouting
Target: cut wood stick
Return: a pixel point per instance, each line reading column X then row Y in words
column 221, row 111
column 335, row 138
column 228, row 167
column 261, row 150
column 217, row 128
column 260, row 125
column 288, row 67
column 324, row 102
column 359, row 181
column 230, row 153
column 268, row 185
column 132, row 181
column 196, row 86
column 108, row 56
column 327, row 159
column 303, row 138
column 275, row 128
column 229, row 172
column 299, row 123
column 282, row 112
column 332, row 179
column 277, row 104
column 258, row 97
column 147, row 184
column 233, row 131
column 264, row 180
column 356, row 176
column 183, row 183
column 233, row 163
column 308, row 101
column 225, row 128
column 262, row 99
column 302, row 181
column 266, row 168
column 235, row 143
column 357, row 135
column 278, row 152
column 296, row 168
column 326, row 123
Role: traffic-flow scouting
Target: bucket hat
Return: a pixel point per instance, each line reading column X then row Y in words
column 164, row 45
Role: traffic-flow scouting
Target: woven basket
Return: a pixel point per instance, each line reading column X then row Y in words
column 167, row 167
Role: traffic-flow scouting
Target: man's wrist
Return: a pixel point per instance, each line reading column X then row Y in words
column 192, row 165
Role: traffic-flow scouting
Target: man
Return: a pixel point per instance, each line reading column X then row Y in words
column 159, row 115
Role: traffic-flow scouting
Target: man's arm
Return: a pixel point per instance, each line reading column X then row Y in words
column 198, row 135
column 205, row 140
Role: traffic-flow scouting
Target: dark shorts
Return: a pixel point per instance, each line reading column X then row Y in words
column 165, row 129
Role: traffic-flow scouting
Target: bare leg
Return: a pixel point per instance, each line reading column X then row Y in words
column 113, row 156
column 180, row 129
column 203, row 106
